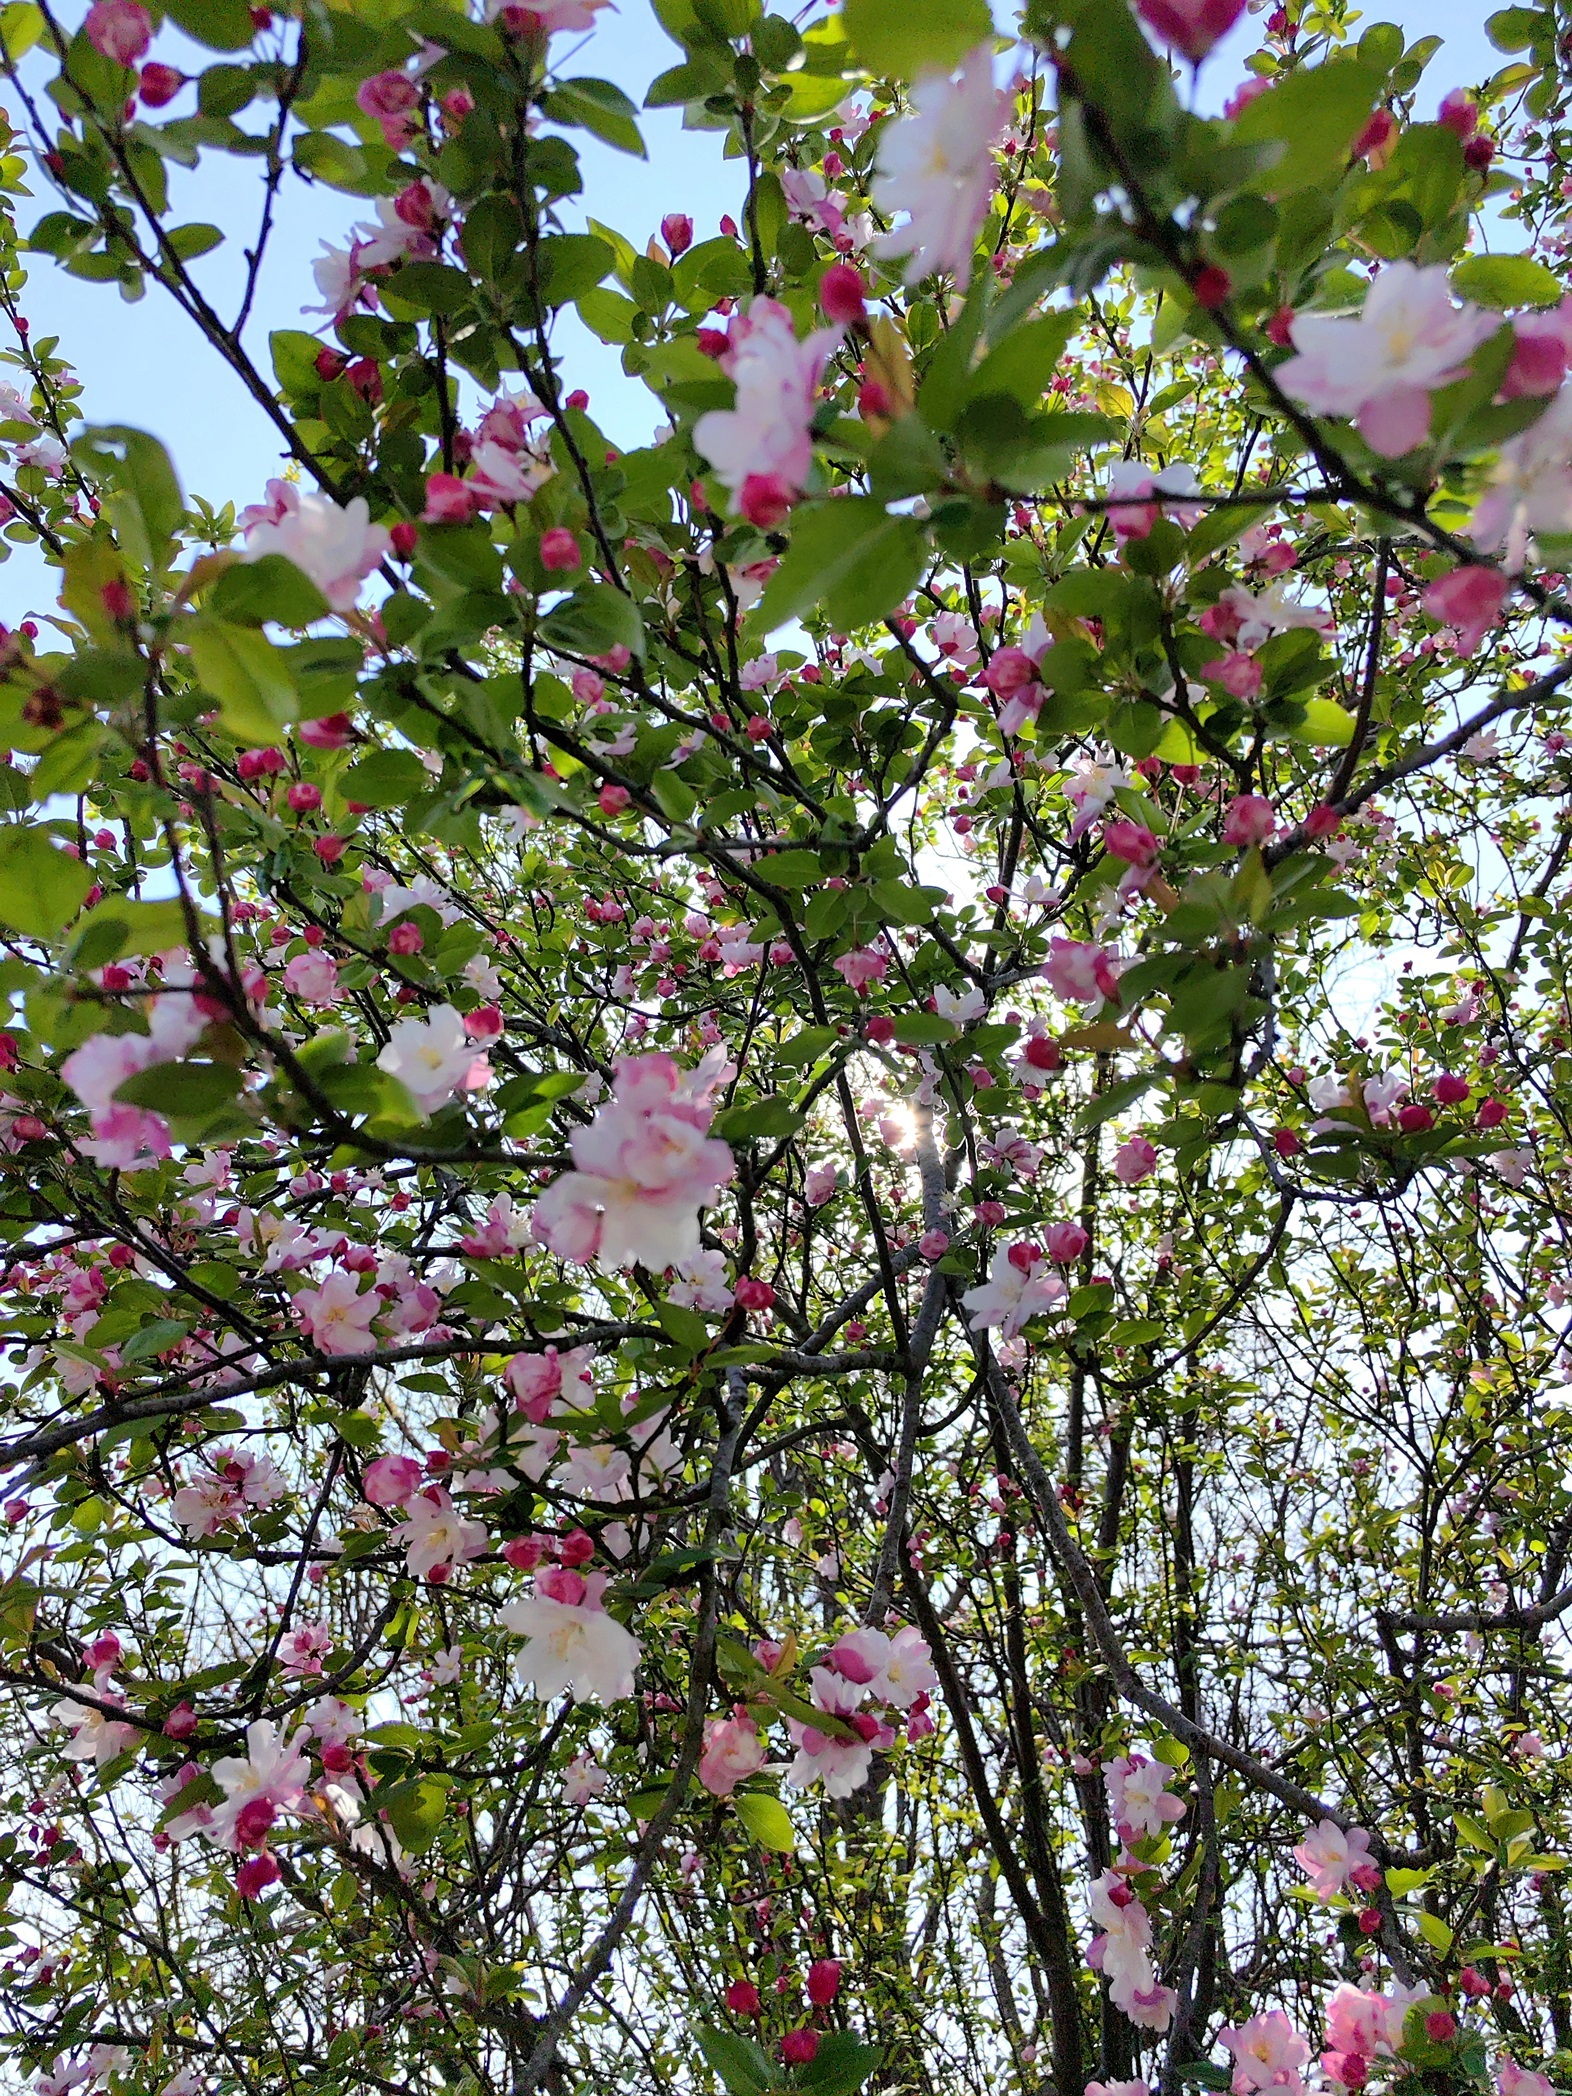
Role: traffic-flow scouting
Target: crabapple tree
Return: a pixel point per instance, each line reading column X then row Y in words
column 784, row 1161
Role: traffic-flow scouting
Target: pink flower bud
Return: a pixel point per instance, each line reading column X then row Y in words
column 1190, row 26
column 560, row 551
column 843, row 294
column 1248, row 819
column 160, row 84
column 824, row 1981
column 764, row 500
column 1132, row 842
column 119, row 30
column 1066, row 1242
column 676, row 229
column 255, row 1875
column 1459, row 113
column 742, row 1998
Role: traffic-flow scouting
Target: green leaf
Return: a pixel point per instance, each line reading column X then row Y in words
column 294, row 356
column 190, row 241
column 121, row 926
column 148, row 504
column 201, row 1790
column 416, row 1810
column 1511, row 28
column 744, row 2070
column 333, row 160
column 247, row 675
column 182, row 1091
column 21, row 25
column 849, row 556
column 419, row 288
column 1499, row 281
column 766, row 1118
column 272, row 587
column 223, row 25
column 149, row 1340
column 570, row 264
column 593, row 621
column 1023, row 364
column 899, row 40
column 685, row 1327
column 767, row 1820
column 924, row 1030
column 791, row 869
column 1326, row 724
column 41, row 887
column 386, row 779
column 1315, row 115
column 493, row 235
column 597, row 106
column 840, row 2066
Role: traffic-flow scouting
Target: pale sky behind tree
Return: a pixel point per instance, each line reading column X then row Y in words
column 144, row 364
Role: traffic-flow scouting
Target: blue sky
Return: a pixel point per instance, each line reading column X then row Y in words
column 143, row 364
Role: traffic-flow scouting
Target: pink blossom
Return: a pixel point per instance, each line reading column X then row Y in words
column 1513, row 2080
column 765, row 436
column 1190, row 26
column 936, row 163
column 1237, row 672
column 1470, row 601
column 270, row 1778
column 1268, row 2053
column 437, row 1537
column 1141, row 1805
column 390, row 99
column 572, row 1645
column 1380, row 367
column 300, row 1650
column 551, row 1382
column 1131, row 841
column 583, row 1780
column 1132, row 488
column 1118, row 2088
column 1014, row 1293
column 841, row 1765
column 820, row 1184
column 645, row 1169
column 434, row 1058
column 338, row 1316
column 1080, row 972
column 95, row 1735
column 545, row 17
column 1365, row 2025
column 733, row 1751
column 1541, row 350
column 1134, row 1161
column 393, row 1480
column 1248, row 819
column 1531, row 489
column 336, row 545
column 1329, row 1855
column 862, row 966
column 313, row 978
column 119, row 30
